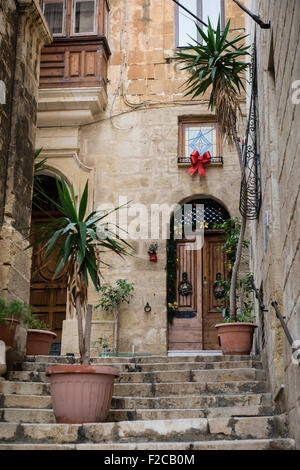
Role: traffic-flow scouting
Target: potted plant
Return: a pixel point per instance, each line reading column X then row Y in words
column 39, row 338
column 11, row 313
column 111, row 297
column 217, row 66
column 82, row 392
column 105, row 351
column 152, row 252
column 235, row 337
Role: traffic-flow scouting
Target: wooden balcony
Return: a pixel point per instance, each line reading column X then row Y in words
column 73, row 68
column 75, row 62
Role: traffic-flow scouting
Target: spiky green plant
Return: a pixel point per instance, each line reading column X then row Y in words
column 77, row 238
column 217, row 66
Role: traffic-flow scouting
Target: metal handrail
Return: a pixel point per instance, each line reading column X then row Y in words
column 287, row 333
column 281, row 319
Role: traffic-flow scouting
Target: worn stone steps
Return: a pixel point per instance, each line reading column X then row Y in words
column 191, row 375
column 245, row 444
column 143, row 359
column 147, row 389
column 193, row 401
column 131, row 403
column 167, row 403
column 154, row 367
column 192, row 429
column 38, row 415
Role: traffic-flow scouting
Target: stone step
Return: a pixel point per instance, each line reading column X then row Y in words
column 192, row 401
column 154, row 367
column 33, row 415
column 143, row 359
column 182, row 430
column 246, row 444
column 263, row 400
column 13, row 400
column 213, row 375
column 147, row 389
column 187, row 388
column 224, row 375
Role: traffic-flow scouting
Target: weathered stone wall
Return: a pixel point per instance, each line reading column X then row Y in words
column 23, row 32
column 8, row 22
column 276, row 266
column 131, row 152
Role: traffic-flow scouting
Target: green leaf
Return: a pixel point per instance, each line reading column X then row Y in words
column 83, row 202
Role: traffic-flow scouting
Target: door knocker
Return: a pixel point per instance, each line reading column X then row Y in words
column 185, row 287
column 218, row 287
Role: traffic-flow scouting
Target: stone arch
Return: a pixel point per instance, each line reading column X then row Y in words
column 215, row 212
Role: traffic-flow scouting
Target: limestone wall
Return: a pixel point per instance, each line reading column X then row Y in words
column 276, row 250
column 131, row 150
column 23, row 32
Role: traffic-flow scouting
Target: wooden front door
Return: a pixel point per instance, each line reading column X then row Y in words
column 47, row 295
column 193, row 327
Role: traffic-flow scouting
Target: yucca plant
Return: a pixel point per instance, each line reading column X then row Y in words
column 217, row 66
column 77, row 238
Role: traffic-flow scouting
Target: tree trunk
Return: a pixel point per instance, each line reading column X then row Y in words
column 235, row 271
column 116, row 330
column 80, row 327
column 238, row 256
column 87, row 335
column 84, row 337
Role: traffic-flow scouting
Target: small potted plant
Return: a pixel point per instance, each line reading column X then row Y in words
column 236, row 332
column 39, row 338
column 105, row 351
column 77, row 236
column 236, row 337
column 152, row 252
column 111, row 297
column 11, row 313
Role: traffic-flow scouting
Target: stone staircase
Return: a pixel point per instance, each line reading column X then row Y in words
column 159, row 403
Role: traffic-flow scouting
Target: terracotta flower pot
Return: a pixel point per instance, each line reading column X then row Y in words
column 81, row 393
column 7, row 332
column 39, row 342
column 236, row 338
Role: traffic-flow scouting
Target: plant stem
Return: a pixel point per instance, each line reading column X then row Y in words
column 235, row 271
column 116, row 330
column 87, row 335
column 238, row 256
column 80, row 328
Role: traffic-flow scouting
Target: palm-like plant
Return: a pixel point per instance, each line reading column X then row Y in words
column 217, row 66
column 77, row 238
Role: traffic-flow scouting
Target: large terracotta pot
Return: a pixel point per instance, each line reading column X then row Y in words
column 81, row 393
column 7, row 332
column 39, row 342
column 236, row 338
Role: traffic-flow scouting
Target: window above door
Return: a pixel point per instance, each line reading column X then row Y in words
column 185, row 28
column 201, row 135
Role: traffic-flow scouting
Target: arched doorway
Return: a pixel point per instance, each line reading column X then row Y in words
column 193, row 309
column 48, row 295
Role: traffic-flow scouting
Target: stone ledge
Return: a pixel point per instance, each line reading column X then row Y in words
column 69, row 106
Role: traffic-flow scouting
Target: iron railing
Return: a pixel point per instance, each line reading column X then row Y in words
column 295, row 350
column 250, row 195
column 262, row 313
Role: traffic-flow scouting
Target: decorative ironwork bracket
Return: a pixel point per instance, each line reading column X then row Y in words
column 250, row 195
column 256, row 18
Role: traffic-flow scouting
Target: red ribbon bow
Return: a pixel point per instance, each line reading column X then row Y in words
column 198, row 161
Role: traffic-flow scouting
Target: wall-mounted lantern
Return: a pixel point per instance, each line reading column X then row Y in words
column 152, row 252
